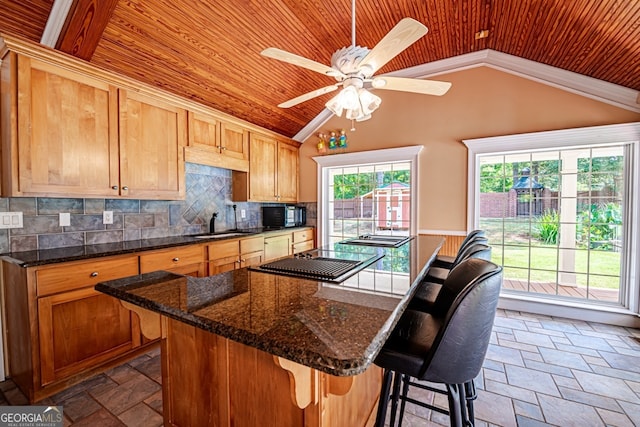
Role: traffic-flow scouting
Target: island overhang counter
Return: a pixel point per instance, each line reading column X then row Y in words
column 248, row 347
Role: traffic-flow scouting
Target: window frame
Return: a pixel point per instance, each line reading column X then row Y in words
column 407, row 154
column 621, row 134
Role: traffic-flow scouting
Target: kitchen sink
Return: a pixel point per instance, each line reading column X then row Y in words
column 221, row 235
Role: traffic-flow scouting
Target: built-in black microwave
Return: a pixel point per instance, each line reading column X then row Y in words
column 283, row 216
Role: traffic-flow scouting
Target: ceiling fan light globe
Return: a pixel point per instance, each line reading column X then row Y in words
column 368, row 101
column 354, row 114
column 363, row 118
column 334, row 105
column 349, row 98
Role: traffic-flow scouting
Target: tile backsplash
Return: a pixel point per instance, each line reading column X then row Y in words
column 208, row 190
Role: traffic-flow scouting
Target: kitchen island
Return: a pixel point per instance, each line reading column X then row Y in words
column 248, row 347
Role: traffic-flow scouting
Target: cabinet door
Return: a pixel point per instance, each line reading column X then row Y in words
column 262, row 168
column 80, row 329
column 287, row 173
column 234, row 141
column 222, row 265
column 67, row 133
column 152, row 139
column 277, row 246
column 251, row 258
column 204, row 131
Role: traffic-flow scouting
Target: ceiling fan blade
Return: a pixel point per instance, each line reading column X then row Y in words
column 427, row 87
column 291, row 58
column 404, row 34
column 307, row 96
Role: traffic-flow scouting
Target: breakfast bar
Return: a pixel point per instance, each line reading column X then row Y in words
column 250, row 347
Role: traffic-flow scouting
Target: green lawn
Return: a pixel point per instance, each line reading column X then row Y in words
column 603, row 268
column 597, row 268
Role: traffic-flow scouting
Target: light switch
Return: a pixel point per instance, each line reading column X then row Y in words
column 243, row 213
column 11, row 220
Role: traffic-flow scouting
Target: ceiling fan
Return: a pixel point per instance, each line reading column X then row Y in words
column 354, row 67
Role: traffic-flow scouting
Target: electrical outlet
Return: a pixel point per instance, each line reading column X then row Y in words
column 243, row 213
column 107, row 217
column 11, row 220
column 65, row 219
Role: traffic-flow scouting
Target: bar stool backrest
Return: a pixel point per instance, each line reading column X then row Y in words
column 460, row 347
column 461, row 252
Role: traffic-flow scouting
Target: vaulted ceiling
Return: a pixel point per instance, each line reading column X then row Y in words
column 209, row 50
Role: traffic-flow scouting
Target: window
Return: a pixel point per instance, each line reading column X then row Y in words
column 370, row 192
column 558, row 208
column 367, row 192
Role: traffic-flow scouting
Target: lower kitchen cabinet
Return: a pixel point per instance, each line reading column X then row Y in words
column 251, row 251
column 187, row 260
column 303, row 240
column 74, row 334
column 223, row 256
column 277, row 246
column 228, row 255
column 59, row 329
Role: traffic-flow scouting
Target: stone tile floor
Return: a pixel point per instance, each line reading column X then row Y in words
column 539, row 371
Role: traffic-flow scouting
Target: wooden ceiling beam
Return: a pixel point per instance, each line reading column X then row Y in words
column 84, row 27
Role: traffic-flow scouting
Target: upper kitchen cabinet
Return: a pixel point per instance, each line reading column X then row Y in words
column 273, row 172
column 59, row 131
column 69, row 129
column 153, row 134
column 216, row 142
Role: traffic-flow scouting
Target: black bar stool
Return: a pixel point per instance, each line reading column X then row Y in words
column 444, row 348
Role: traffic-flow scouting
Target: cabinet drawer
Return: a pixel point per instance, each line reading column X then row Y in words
column 76, row 275
column 171, row 258
column 224, row 249
column 302, row 236
column 303, row 246
column 253, row 244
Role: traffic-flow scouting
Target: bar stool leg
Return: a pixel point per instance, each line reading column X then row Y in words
column 455, row 413
column 406, row 379
column 470, row 395
column 394, row 399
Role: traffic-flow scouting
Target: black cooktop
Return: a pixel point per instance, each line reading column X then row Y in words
column 328, row 266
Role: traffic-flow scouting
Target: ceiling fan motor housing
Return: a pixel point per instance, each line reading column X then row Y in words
column 347, row 61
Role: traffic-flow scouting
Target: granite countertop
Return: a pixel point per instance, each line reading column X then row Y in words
column 334, row 328
column 75, row 253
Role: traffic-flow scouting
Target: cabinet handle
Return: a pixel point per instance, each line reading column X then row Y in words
column 125, row 188
column 94, row 274
column 176, row 259
column 115, row 187
column 224, row 148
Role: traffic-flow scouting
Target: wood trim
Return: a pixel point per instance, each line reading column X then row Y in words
column 149, row 320
column 84, row 27
column 451, row 244
column 303, row 380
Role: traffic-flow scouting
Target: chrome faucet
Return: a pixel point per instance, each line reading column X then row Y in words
column 212, row 223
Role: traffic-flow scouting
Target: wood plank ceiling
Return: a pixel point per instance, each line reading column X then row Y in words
column 209, row 50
